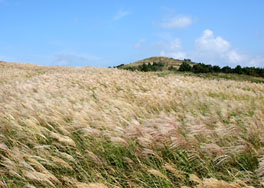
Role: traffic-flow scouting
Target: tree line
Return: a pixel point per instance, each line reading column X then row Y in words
column 147, row 67
column 205, row 68
column 196, row 68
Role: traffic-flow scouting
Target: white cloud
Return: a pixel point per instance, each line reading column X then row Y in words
column 257, row 61
column 177, row 22
column 175, row 55
column 173, row 49
column 120, row 14
column 140, row 43
column 216, row 50
column 73, row 59
column 209, row 49
column 207, row 42
column 234, row 57
column 175, row 44
column 171, row 45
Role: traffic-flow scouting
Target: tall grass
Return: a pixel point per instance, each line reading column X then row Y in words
column 96, row 127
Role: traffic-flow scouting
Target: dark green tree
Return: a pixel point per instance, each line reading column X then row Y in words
column 145, row 68
column 216, row 68
column 185, row 67
column 238, row 70
column 226, row 69
column 201, row 68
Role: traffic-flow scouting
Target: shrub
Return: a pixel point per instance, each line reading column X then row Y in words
column 226, row 69
column 238, row 70
column 185, row 67
column 216, row 68
column 200, row 68
column 119, row 66
column 171, row 68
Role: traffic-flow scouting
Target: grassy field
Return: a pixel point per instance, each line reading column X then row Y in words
column 215, row 76
column 98, row 128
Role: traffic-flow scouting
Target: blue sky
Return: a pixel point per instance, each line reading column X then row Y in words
column 107, row 33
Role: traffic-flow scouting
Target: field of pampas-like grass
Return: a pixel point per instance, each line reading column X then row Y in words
column 107, row 128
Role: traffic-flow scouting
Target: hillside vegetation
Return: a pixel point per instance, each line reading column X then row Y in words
column 166, row 61
column 98, row 128
column 170, row 65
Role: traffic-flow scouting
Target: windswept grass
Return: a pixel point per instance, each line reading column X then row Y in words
column 96, row 127
column 216, row 76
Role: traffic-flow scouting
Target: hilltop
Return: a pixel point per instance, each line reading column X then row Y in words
column 166, row 61
column 165, row 65
column 108, row 128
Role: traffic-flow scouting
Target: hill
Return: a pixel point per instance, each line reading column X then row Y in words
column 97, row 128
column 166, row 61
column 165, row 65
